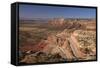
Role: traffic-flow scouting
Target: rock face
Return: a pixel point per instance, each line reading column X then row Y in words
column 63, row 45
column 75, row 47
column 58, row 45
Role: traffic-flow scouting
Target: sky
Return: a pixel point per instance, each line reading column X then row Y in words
column 38, row 11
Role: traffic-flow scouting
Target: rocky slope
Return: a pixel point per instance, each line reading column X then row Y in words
column 65, row 45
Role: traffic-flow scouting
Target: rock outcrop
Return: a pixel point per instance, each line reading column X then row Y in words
column 65, row 46
column 57, row 22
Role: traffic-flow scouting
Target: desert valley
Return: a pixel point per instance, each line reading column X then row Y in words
column 57, row 40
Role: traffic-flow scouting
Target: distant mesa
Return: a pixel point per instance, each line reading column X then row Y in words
column 57, row 21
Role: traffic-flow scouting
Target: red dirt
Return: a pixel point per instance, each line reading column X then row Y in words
column 33, row 48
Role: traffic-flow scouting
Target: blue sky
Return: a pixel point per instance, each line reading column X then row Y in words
column 36, row 11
